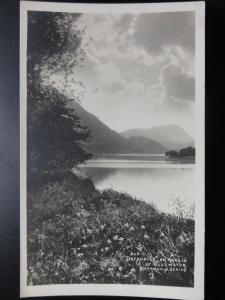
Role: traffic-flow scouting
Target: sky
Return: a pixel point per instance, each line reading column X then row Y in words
column 139, row 69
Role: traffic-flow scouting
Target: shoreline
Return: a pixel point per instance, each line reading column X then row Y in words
column 69, row 220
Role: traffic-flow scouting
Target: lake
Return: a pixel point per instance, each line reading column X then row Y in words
column 150, row 177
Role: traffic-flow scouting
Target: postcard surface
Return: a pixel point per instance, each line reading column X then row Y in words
column 112, row 149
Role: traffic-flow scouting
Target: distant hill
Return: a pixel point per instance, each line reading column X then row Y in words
column 144, row 145
column 170, row 136
column 105, row 140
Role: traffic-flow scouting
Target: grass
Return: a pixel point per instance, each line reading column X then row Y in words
column 77, row 234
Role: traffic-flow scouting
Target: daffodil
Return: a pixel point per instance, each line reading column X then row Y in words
column 74, row 251
column 139, row 248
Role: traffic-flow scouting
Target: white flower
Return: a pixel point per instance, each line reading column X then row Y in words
column 139, row 247
column 84, row 265
column 142, row 227
column 85, row 246
column 74, row 251
column 131, row 228
column 109, row 241
column 120, row 268
column 115, row 237
column 107, row 249
column 146, row 236
column 126, row 225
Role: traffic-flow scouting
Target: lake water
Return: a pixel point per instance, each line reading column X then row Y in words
column 150, row 177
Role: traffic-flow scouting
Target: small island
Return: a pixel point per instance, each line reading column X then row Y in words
column 187, row 153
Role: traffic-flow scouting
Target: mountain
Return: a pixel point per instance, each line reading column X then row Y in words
column 105, row 140
column 145, row 145
column 170, row 136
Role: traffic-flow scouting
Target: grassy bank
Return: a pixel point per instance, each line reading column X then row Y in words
column 77, row 234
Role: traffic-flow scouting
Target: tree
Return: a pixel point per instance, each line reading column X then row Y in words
column 189, row 151
column 185, row 152
column 172, row 153
column 56, row 140
column 53, row 44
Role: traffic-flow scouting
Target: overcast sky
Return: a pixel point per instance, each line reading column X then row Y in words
column 139, row 69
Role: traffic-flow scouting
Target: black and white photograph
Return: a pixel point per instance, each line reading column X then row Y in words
column 112, row 149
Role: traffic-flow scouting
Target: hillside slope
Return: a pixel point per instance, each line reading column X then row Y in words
column 105, row 140
column 170, row 136
column 145, row 145
column 77, row 234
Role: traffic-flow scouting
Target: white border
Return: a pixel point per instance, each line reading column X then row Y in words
column 120, row 289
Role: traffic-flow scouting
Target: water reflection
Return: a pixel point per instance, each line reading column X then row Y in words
column 152, row 179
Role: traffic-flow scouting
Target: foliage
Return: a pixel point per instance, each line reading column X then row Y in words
column 56, row 140
column 185, row 152
column 55, row 136
column 77, row 234
column 53, row 44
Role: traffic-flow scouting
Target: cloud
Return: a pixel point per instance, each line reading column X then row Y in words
column 113, row 87
column 138, row 73
column 158, row 30
column 177, row 83
column 124, row 23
